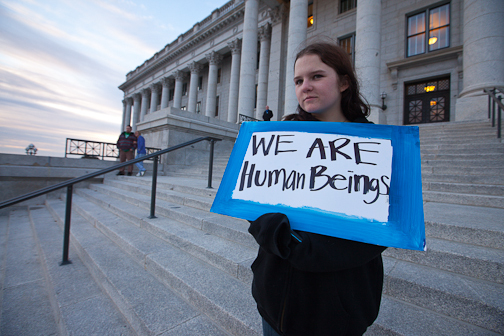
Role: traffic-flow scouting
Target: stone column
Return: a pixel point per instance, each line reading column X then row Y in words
column 234, row 84
column 276, row 75
column 123, row 115
column 213, row 59
column 298, row 15
column 127, row 116
column 367, row 55
column 154, row 97
column 143, row 111
column 262, row 81
column 165, row 82
column 136, row 110
column 177, row 96
column 193, row 86
column 483, row 56
column 248, row 64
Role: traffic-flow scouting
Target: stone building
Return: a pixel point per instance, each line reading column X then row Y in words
column 418, row 61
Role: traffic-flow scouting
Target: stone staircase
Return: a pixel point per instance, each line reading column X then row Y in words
column 187, row 272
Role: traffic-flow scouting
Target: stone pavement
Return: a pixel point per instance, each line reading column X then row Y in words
column 187, row 272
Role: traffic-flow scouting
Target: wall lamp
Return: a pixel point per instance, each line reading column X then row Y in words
column 383, row 96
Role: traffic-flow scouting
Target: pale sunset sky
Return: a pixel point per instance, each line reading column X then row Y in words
column 61, row 62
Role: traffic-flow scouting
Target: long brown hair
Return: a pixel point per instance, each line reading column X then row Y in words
column 352, row 105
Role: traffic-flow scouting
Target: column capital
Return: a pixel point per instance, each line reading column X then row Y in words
column 276, row 14
column 167, row 81
column 264, row 32
column 235, row 46
column 179, row 75
column 137, row 95
column 144, row 92
column 154, row 87
column 129, row 100
column 195, row 67
column 214, row 58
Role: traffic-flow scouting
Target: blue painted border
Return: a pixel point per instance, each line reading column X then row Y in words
column 405, row 227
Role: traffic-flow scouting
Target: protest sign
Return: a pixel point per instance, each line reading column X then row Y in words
column 354, row 181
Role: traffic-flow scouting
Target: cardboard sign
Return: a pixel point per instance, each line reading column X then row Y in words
column 354, row 181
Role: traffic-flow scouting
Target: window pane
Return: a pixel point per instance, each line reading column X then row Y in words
column 444, row 84
column 411, row 90
column 439, row 17
column 416, row 45
column 416, row 24
column 442, row 38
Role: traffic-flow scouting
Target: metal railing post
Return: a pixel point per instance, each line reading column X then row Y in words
column 499, row 118
column 68, row 214
column 210, row 164
column 153, row 190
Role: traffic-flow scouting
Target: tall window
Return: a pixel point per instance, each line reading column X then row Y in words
column 200, row 83
column 346, row 5
column 198, row 107
column 429, row 30
column 310, row 14
column 184, row 89
column 171, row 93
column 348, row 43
column 219, row 71
column 217, row 106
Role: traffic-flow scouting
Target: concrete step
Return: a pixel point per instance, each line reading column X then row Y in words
column 464, row 188
column 149, row 305
column 223, row 298
column 464, row 157
column 465, row 224
column 464, row 179
column 223, row 226
column 482, row 171
column 464, row 163
column 186, row 185
column 398, row 318
column 40, row 297
column 469, row 260
column 464, row 199
column 223, row 254
column 198, row 202
column 466, row 299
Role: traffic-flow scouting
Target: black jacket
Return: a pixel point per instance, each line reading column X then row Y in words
column 320, row 286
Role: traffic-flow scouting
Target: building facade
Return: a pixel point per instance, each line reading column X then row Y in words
column 418, row 61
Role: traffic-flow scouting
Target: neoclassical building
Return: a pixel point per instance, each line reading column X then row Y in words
column 418, row 61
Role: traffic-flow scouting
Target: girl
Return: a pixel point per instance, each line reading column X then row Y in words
column 305, row 283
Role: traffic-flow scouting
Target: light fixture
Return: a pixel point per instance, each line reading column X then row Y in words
column 432, row 40
column 31, row 149
column 383, row 96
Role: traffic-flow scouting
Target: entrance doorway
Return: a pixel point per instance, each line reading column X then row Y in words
column 427, row 101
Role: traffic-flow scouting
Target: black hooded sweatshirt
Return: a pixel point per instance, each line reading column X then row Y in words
column 319, row 286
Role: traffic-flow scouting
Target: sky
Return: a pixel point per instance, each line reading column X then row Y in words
column 61, row 62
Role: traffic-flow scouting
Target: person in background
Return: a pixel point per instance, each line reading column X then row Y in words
column 126, row 145
column 306, row 283
column 141, row 151
column 268, row 114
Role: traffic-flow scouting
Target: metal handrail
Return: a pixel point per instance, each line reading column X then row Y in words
column 243, row 118
column 69, row 184
column 495, row 102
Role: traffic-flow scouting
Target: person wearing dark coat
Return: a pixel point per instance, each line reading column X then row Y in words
column 126, row 145
column 305, row 283
column 268, row 114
